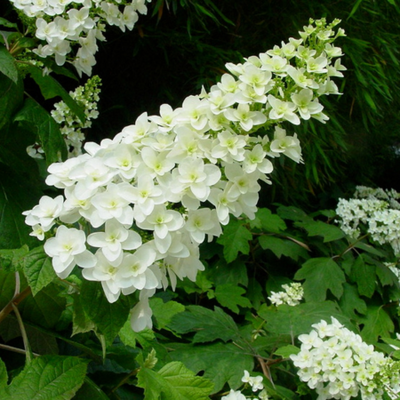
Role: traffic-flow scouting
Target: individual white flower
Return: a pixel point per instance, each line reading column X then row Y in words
column 305, row 105
column 234, row 395
column 141, row 314
column 135, row 272
column 194, row 112
column 115, row 239
column 67, row 249
column 167, row 119
column 283, row 110
column 45, row 212
column 193, row 174
column 112, row 203
column 246, row 118
column 229, row 144
column 203, row 222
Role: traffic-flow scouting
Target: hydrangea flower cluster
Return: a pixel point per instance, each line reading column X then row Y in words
column 167, row 183
column 64, row 24
column 378, row 209
column 255, row 382
column 339, row 365
column 87, row 96
column 292, row 295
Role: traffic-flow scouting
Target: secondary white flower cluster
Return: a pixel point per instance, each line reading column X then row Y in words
column 255, row 382
column 87, row 97
column 292, row 295
column 164, row 185
column 63, row 24
column 378, row 210
column 339, row 365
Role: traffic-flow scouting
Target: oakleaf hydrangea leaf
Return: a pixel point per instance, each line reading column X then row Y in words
column 173, row 382
column 235, row 238
column 163, row 312
column 221, row 363
column 38, row 269
column 208, row 325
column 47, row 378
column 321, row 274
column 231, row 297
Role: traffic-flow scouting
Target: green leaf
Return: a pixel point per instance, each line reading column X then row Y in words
column 231, row 296
column 364, row 276
column 163, row 312
column 350, row 302
column 108, row 317
column 234, row 273
column 50, row 88
column 267, row 221
column 208, row 325
column 129, row 337
column 7, row 65
column 221, row 363
column 47, row 378
column 45, row 308
column 7, row 287
column 369, row 248
column 234, row 239
column 46, row 129
column 89, row 390
column 11, row 97
column 376, row 323
column 287, row 351
column 10, row 259
column 254, row 293
column 81, row 323
column 292, row 213
column 282, row 247
column 3, row 374
column 173, row 382
column 38, row 269
column 319, row 228
column 321, row 274
column 17, row 194
column 296, row 320
column 7, row 24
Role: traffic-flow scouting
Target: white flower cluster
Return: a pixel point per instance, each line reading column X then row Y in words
column 65, row 23
column 162, row 186
column 255, row 383
column 339, row 365
column 378, row 210
column 292, row 295
column 87, row 97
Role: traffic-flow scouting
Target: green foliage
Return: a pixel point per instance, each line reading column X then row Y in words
column 47, row 378
column 173, row 382
column 321, row 274
column 208, row 332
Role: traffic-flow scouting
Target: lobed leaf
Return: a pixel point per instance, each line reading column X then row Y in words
column 231, row 296
column 208, row 325
column 235, row 238
column 321, row 274
column 221, row 363
column 47, row 378
column 108, row 317
column 173, row 382
column 38, row 269
column 7, row 65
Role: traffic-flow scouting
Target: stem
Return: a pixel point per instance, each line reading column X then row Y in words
column 14, row 301
column 23, row 333
column 16, row 349
column 265, row 370
column 125, row 379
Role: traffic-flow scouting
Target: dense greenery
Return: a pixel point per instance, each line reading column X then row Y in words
column 62, row 339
